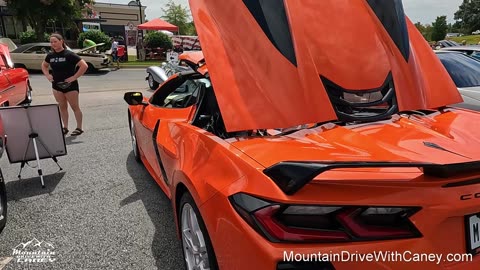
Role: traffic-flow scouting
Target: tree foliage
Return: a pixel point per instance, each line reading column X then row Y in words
column 425, row 30
column 440, row 28
column 178, row 15
column 468, row 16
column 39, row 12
column 158, row 40
column 30, row 37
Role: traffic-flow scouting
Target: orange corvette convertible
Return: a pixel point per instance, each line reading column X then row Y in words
column 313, row 135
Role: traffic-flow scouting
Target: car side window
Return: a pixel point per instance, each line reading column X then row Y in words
column 38, row 50
column 174, row 95
column 184, row 96
column 32, row 49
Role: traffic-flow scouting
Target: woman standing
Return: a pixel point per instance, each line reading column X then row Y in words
column 64, row 77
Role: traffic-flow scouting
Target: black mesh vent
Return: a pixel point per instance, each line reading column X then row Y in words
column 363, row 105
column 272, row 18
column 392, row 16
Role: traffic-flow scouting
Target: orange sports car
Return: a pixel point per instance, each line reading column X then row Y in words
column 313, row 135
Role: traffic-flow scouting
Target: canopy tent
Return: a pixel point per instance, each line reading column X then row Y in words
column 158, row 24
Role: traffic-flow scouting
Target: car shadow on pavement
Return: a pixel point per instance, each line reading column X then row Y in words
column 31, row 187
column 166, row 247
column 101, row 72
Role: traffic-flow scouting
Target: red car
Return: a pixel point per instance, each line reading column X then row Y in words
column 15, row 86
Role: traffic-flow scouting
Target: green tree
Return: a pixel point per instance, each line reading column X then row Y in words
column 177, row 15
column 158, row 40
column 425, row 30
column 191, row 30
column 468, row 16
column 440, row 28
column 39, row 12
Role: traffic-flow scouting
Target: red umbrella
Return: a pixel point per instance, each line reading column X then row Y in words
column 158, row 24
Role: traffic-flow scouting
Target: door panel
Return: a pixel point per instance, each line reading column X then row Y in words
column 153, row 117
column 18, row 80
column 6, row 89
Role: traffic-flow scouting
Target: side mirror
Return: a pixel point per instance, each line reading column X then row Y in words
column 134, row 98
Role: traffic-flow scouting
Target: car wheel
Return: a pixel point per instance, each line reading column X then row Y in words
column 134, row 140
column 91, row 68
column 152, row 83
column 19, row 66
column 28, row 96
column 3, row 203
column 197, row 247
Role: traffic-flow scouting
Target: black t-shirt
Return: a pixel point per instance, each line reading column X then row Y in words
column 63, row 64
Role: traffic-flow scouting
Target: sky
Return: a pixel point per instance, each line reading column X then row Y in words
column 424, row 11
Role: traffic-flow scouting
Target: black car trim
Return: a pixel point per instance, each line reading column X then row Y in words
column 157, row 152
column 292, row 176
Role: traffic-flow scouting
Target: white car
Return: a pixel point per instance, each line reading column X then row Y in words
column 465, row 72
column 31, row 56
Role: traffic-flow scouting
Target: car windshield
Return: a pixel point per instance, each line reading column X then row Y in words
column 464, row 70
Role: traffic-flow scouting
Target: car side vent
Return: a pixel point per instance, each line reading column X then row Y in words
column 363, row 105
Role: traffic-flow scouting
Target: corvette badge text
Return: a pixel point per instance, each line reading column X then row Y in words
column 381, row 256
column 34, row 251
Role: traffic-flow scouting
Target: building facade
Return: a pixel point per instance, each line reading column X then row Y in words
column 113, row 19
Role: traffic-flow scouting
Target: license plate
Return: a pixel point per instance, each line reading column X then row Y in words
column 473, row 234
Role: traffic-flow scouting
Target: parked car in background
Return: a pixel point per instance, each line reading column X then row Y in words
column 15, row 86
column 473, row 51
column 465, row 72
column 447, row 43
column 155, row 74
column 31, row 56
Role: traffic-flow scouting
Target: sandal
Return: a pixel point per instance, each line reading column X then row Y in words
column 65, row 131
column 77, row 132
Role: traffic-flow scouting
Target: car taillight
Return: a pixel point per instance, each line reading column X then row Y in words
column 302, row 223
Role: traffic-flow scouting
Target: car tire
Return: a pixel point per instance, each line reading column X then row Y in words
column 133, row 137
column 19, row 66
column 28, row 96
column 191, row 220
column 3, row 203
column 91, row 69
column 152, row 83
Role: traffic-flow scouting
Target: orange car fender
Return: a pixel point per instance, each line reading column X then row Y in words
column 207, row 166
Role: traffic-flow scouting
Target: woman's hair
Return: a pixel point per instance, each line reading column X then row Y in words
column 59, row 37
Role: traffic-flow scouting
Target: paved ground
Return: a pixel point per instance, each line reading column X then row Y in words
column 104, row 211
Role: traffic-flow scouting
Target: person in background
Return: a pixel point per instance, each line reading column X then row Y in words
column 141, row 49
column 89, row 43
column 64, row 79
column 114, row 50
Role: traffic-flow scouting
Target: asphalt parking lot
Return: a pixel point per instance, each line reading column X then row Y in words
column 103, row 211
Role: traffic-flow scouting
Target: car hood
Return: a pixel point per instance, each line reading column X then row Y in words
column 89, row 48
column 434, row 139
column 269, row 61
